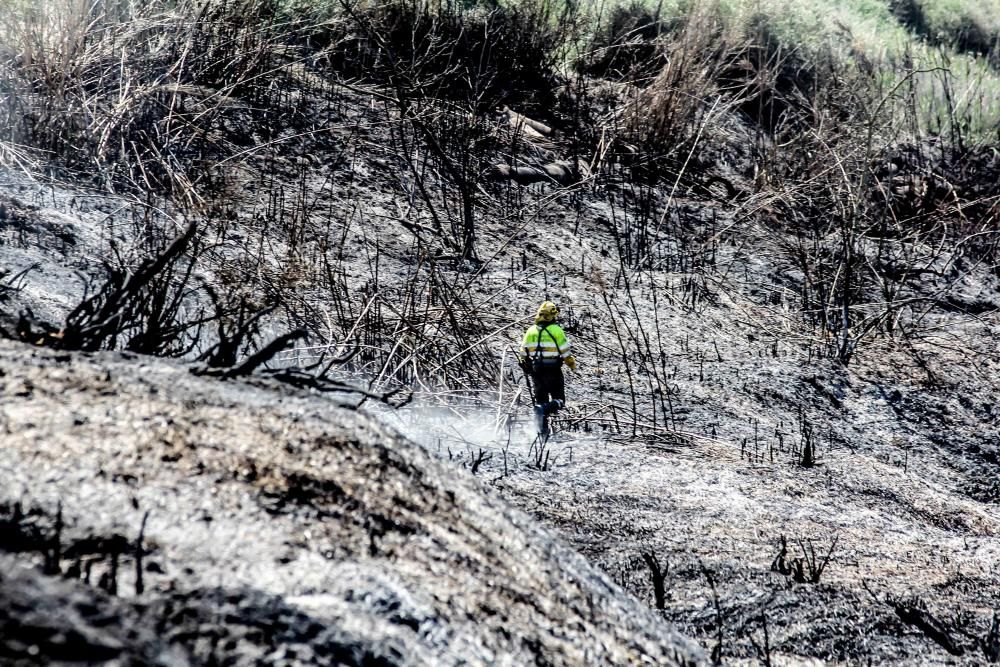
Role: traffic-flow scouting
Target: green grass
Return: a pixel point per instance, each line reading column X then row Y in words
column 866, row 34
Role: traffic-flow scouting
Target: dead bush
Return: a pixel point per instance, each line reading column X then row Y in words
column 626, row 46
column 147, row 309
column 507, row 54
column 669, row 127
column 658, row 574
column 143, row 97
column 160, row 307
column 809, row 567
column 881, row 224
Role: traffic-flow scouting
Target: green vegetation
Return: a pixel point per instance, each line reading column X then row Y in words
column 889, row 40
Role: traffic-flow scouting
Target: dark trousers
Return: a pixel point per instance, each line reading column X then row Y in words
column 549, row 385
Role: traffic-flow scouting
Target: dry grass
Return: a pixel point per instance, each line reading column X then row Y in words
column 181, row 100
column 127, row 95
column 862, row 34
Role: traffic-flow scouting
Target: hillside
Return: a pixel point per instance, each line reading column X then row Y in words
column 774, row 244
column 276, row 527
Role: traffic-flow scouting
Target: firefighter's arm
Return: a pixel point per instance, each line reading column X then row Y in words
column 566, row 349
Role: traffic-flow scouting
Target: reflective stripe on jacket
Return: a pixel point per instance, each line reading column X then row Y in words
column 546, row 344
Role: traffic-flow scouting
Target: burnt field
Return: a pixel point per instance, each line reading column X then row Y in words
column 263, row 272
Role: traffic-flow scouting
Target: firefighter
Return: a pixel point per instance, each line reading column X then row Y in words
column 543, row 353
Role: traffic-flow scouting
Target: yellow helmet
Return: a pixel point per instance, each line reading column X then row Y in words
column 547, row 312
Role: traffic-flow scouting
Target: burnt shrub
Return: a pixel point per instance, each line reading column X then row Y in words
column 506, row 54
column 626, row 46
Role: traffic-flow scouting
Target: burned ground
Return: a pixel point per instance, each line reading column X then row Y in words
column 281, row 527
column 782, row 441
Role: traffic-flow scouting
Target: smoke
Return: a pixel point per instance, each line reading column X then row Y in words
column 453, row 430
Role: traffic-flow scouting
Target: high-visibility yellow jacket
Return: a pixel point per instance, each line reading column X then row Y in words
column 546, row 345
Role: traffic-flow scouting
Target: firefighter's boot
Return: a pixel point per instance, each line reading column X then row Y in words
column 540, row 422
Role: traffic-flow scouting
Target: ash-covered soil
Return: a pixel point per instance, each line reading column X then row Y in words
column 689, row 454
column 282, row 528
column 896, row 533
